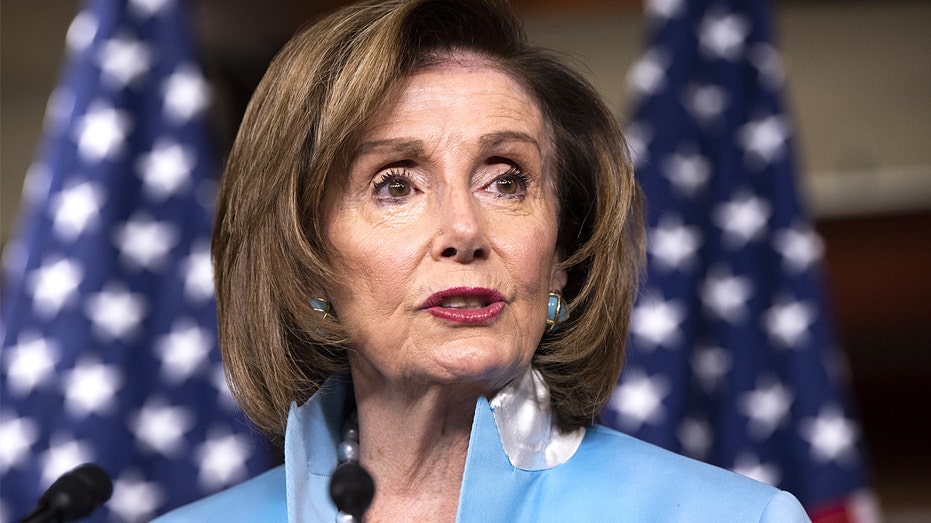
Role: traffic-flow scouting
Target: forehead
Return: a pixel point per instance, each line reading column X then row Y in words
column 458, row 93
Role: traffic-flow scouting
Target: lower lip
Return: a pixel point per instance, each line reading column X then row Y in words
column 468, row 315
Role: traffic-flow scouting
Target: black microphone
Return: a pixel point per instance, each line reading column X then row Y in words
column 72, row 496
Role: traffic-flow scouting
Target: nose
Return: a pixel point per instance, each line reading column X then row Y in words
column 461, row 231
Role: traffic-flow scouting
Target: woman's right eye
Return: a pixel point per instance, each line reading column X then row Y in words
column 393, row 185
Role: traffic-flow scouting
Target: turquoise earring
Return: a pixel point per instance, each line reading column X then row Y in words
column 322, row 306
column 556, row 313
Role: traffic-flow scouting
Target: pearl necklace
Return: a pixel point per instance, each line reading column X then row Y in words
column 351, row 487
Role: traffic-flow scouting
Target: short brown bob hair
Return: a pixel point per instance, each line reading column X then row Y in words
column 294, row 147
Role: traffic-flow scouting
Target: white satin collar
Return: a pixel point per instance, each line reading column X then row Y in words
column 527, row 427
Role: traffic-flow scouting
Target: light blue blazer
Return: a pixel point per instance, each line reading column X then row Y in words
column 611, row 477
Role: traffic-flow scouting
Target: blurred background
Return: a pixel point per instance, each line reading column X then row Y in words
column 858, row 85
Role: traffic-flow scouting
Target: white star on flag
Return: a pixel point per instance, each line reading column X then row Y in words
column 768, row 62
column 101, row 132
column 186, row 94
column 764, row 139
column 53, row 285
column 722, row 35
column 17, row 435
column 64, row 453
column 198, row 273
column 90, row 388
column 766, row 407
column 166, row 169
column 657, row 321
column 673, row 244
column 183, row 351
column 134, row 499
column 787, row 322
column 638, row 139
column 222, row 459
column 688, row 172
column 726, row 295
column 831, row 435
column 648, row 74
column 696, row 437
column 144, row 242
column 710, row 365
column 161, row 428
column 123, row 60
column 58, row 110
column 115, row 312
column 706, row 102
column 749, row 465
column 75, row 208
column 799, row 246
column 81, row 32
column 147, row 8
column 664, row 9
column 742, row 219
column 224, row 398
column 30, row 363
column 638, row 399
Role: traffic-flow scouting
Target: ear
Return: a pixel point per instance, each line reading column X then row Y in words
column 560, row 275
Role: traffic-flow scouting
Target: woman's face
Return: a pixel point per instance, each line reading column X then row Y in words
column 446, row 235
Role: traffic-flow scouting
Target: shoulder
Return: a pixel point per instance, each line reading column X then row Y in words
column 659, row 482
column 262, row 498
column 606, row 451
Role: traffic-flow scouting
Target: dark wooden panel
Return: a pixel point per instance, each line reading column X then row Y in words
column 879, row 274
column 880, row 270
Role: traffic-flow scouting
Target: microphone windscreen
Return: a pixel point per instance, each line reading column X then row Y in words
column 77, row 493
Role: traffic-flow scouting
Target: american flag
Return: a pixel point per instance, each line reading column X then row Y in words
column 732, row 359
column 109, row 350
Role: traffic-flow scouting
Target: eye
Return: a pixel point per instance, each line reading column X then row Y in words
column 510, row 184
column 393, row 185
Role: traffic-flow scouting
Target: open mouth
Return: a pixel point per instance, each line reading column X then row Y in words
column 464, row 303
column 463, row 298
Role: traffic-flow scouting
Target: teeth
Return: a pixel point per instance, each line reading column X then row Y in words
column 463, row 302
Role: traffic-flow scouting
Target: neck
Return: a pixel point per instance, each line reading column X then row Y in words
column 414, row 443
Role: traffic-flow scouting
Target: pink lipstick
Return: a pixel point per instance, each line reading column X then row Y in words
column 465, row 304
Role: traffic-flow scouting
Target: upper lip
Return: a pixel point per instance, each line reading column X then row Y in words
column 488, row 296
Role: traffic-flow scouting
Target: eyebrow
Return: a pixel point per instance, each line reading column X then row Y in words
column 491, row 140
column 414, row 147
column 409, row 147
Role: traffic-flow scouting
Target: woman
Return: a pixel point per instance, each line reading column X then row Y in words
column 432, row 228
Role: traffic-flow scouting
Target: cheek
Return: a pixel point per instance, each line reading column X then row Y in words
column 531, row 260
column 373, row 271
column 541, row 247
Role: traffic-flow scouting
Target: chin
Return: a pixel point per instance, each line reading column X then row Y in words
column 492, row 367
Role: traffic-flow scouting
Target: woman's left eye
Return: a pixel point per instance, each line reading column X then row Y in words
column 511, row 184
